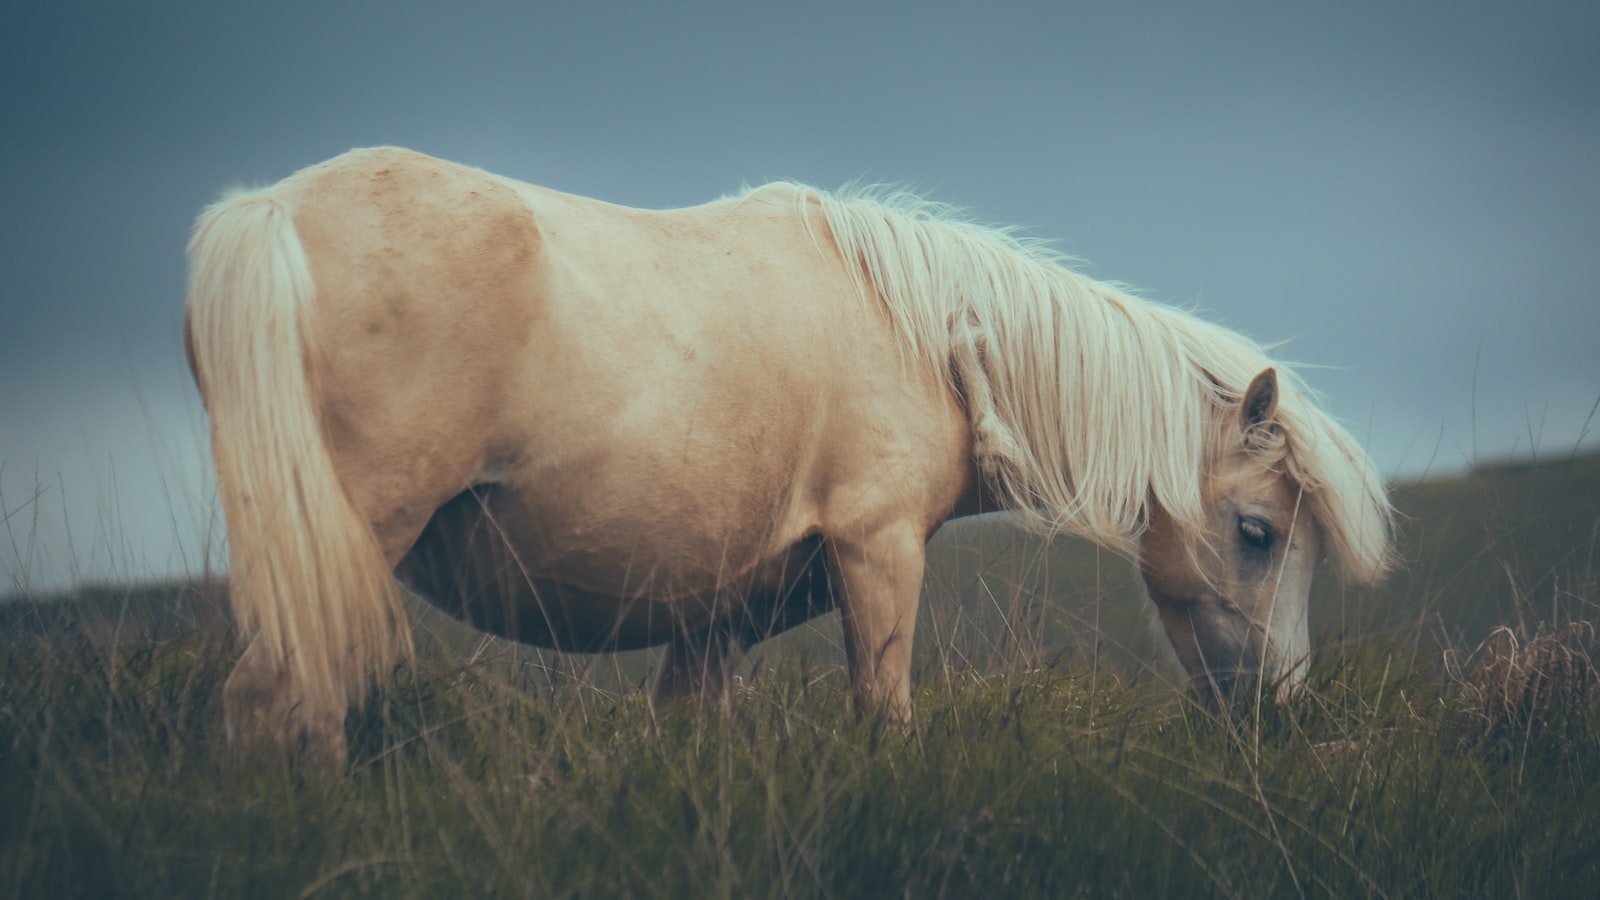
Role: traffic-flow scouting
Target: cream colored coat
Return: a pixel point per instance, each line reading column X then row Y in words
column 591, row 427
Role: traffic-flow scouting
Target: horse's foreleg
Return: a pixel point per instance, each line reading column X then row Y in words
column 702, row 663
column 697, row 665
column 878, row 582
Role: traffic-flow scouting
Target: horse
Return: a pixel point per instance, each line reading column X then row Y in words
column 592, row 428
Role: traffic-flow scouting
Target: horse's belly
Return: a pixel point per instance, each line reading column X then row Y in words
column 683, row 486
column 502, row 567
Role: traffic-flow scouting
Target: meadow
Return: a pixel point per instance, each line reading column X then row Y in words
column 1448, row 745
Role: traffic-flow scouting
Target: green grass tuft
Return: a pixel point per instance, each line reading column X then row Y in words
column 483, row 779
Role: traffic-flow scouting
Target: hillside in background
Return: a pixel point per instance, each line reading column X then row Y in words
column 1499, row 544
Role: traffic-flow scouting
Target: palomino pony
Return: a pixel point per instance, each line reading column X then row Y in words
column 591, row 428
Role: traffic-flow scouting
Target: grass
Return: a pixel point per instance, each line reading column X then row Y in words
column 477, row 780
column 1447, row 746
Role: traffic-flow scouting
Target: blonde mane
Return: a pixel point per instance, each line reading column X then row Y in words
column 1088, row 404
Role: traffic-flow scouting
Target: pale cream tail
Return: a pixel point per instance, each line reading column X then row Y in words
column 308, row 579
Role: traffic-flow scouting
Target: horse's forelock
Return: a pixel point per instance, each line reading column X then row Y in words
column 1342, row 489
column 1346, row 493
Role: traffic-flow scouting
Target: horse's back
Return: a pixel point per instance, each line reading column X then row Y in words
column 665, row 400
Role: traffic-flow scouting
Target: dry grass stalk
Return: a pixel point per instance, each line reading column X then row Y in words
column 1512, row 678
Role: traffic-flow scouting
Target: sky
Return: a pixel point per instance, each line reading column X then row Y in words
column 1407, row 195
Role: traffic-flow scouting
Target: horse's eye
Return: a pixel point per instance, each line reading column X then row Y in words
column 1255, row 532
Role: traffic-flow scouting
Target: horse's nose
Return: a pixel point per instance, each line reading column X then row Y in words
column 1221, row 681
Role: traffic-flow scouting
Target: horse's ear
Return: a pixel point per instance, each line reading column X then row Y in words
column 1260, row 400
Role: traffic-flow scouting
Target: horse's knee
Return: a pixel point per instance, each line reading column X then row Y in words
column 890, row 699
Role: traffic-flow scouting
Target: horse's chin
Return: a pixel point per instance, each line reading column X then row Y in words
column 1224, row 688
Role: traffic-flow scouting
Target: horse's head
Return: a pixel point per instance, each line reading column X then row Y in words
column 1232, row 590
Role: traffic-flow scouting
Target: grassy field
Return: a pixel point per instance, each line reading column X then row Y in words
column 1449, row 746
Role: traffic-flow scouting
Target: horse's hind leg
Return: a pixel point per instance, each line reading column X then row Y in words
column 261, row 699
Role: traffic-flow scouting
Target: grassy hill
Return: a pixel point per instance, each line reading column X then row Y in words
column 1501, row 544
column 1447, row 745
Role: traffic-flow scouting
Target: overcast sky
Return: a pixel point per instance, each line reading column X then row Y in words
column 1408, row 194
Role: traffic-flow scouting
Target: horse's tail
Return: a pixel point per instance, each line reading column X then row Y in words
column 308, row 577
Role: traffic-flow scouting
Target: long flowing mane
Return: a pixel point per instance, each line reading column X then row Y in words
column 1089, row 404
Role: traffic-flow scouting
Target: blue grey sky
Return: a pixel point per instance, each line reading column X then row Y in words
column 1408, row 194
